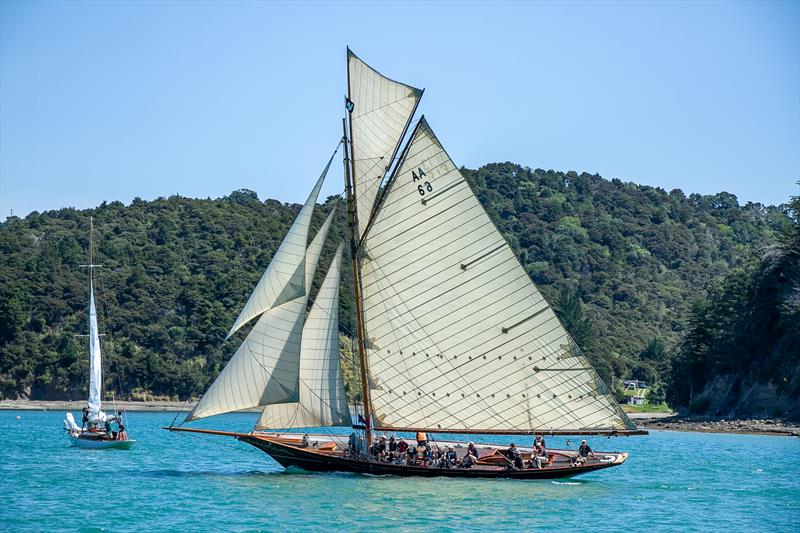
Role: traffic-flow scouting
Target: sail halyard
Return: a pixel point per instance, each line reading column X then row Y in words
column 458, row 337
column 322, row 397
column 284, row 278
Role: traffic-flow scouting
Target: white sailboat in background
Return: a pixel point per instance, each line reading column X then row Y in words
column 453, row 336
column 96, row 426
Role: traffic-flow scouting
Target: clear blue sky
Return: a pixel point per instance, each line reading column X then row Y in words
column 108, row 101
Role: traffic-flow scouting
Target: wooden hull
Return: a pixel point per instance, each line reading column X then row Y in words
column 287, row 452
column 312, row 461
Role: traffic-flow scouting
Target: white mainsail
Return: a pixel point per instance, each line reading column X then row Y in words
column 458, row 337
column 265, row 368
column 284, row 278
column 382, row 110
column 322, row 396
column 95, row 361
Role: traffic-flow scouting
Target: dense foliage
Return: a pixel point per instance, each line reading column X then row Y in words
column 741, row 354
column 620, row 262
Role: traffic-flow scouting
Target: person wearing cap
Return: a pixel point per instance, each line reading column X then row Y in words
column 514, row 456
column 584, row 451
column 451, row 457
column 392, row 444
column 539, row 456
column 538, row 439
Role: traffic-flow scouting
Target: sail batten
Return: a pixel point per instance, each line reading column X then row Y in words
column 459, row 337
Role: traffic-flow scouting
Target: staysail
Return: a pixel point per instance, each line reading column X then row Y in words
column 284, row 278
column 322, row 395
column 265, row 368
column 458, row 337
column 95, row 360
column 381, row 111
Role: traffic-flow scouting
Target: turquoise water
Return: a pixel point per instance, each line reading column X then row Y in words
column 177, row 482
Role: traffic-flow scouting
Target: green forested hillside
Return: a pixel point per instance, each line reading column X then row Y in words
column 741, row 351
column 620, row 262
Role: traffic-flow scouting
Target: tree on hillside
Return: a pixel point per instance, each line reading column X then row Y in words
column 743, row 341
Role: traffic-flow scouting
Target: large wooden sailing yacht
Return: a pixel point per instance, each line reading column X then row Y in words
column 452, row 335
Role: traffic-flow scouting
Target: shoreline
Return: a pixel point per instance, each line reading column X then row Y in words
column 674, row 422
column 69, row 405
column 657, row 421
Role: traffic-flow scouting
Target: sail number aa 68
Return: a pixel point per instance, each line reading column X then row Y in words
column 425, row 185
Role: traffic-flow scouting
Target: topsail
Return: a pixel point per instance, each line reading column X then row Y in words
column 458, row 337
column 382, row 110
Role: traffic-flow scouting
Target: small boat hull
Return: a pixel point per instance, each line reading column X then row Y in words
column 97, row 444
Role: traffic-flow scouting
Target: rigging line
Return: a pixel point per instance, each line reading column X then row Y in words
column 393, row 102
column 580, row 385
column 421, row 328
column 450, row 291
column 456, row 333
column 437, row 302
column 428, row 220
column 399, row 213
column 537, row 339
column 444, row 249
column 395, row 162
column 463, row 376
column 549, row 389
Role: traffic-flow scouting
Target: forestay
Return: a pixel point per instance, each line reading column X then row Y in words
column 322, row 396
column 458, row 337
column 382, row 110
column 284, row 278
column 265, row 368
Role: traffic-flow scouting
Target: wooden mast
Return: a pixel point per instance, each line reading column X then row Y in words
column 352, row 217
